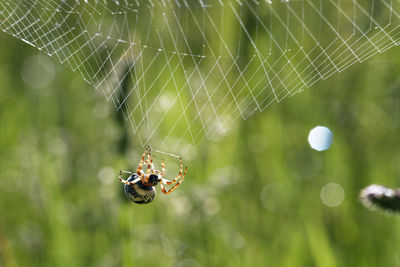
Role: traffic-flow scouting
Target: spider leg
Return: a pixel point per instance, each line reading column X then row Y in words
column 180, row 172
column 125, row 181
column 130, row 183
column 147, row 161
column 120, row 174
column 163, row 168
column 139, row 170
column 165, row 181
column 149, row 165
column 175, row 186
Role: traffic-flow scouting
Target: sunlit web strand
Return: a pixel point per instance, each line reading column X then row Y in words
column 181, row 72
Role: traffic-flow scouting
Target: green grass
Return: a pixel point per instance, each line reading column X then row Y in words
column 61, row 203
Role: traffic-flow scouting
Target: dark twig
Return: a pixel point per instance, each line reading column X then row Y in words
column 382, row 197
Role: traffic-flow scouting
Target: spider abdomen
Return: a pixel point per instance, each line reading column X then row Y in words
column 138, row 192
column 140, row 186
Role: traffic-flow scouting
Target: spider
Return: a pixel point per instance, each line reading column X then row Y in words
column 140, row 186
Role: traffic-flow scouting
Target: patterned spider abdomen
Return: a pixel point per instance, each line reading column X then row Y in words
column 138, row 192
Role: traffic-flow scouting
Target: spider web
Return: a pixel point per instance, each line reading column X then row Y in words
column 182, row 71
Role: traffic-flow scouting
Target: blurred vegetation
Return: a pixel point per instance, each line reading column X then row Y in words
column 252, row 199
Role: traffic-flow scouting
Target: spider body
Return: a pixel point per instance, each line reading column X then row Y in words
column 140, row 186
column 138, row 192
column 153, row 180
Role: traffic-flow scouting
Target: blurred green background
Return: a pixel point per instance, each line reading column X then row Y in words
column 252, row 199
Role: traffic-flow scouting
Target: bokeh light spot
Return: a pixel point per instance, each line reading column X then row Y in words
column 211, row 206
column 332, row 195
column 320, row 138
column 38, row 71
column 271, row 196
column 106, row 175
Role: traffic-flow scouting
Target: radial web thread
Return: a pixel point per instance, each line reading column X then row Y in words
column 182, row 71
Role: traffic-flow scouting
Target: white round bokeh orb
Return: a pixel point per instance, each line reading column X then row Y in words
column 320, row 138
column 332, row 195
